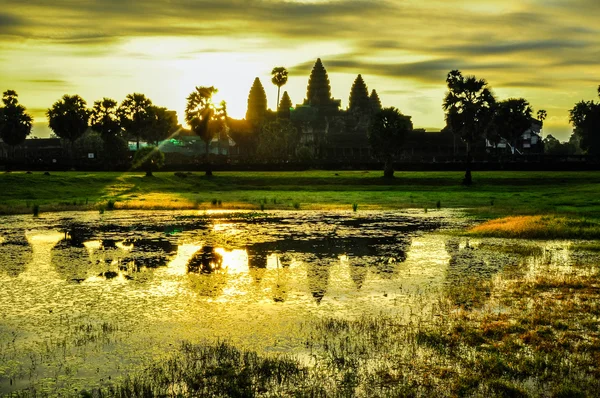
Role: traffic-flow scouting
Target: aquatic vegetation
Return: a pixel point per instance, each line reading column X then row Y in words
column 272, row 305
column 219, row 370
column 538, row 344
column 538, row 227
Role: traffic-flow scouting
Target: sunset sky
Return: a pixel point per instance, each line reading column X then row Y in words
column 547, row 51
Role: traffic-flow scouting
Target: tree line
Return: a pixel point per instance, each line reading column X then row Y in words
column 472, row 112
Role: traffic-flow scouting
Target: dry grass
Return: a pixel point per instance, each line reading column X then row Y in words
column 538, row 227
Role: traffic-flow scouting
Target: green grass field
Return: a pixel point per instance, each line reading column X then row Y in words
column 493, row 194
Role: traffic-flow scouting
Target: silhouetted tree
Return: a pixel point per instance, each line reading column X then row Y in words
column 284, row 106
column 68, row 118
column 218, row 125
column 279, row 77
column 511, row 118
column 375, row 102
column 15, row 122
column 257, row 104
column 387, row 132
column 162, row 124
column 134, row 115
column 575, row 144
column 469, row 107
column 359, row 97
column 104, row 118
column 542, row 115
column 278, row 140
column 585, row 118
column 552, row 146
column 149, row 159
column 198, row 113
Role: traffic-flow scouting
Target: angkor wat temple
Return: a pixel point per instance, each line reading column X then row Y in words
column 334, row 134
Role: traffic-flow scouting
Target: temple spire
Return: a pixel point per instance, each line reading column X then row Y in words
column 359, row 97
column 284, row 106
column 257, row 103
column 318, row 91
column 375, row 102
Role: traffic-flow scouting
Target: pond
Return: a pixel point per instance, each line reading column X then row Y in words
column 86, row 298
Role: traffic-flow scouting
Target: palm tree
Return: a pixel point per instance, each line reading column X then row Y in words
column 104, row 118
column 512, row 118
column 69, row 119
column 279, row 77
column 134, row 115
column 469, row 106
column 542, row 115
column 198, row 113
column 387, row 133
column 15, row 122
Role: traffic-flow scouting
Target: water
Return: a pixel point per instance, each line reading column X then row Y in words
column 87, row 297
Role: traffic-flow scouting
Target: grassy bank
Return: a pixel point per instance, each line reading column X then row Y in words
column 493, row 193
column 538, row 227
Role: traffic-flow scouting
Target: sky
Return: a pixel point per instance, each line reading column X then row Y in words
column 547, row 51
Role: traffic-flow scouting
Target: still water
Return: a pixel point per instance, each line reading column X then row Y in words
column 87, row 297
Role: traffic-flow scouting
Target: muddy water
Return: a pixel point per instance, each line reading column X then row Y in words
column 88, row 297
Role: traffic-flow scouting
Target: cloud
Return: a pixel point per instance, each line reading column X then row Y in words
column 113, row 20
column 8, row 21
column 47, row 81
column 527, row 47
column 431, row 71
column 503, row 48
column 528, row 84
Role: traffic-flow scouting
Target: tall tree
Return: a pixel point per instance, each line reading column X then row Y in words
column 387, row 133
column 257, row 104
column 585, row 118
column 469, row 107
column 219, row 125
column 512, row 117
column 284, row 106
column 542, row 115
column 134, row 116
column 104, row 118
column 15, row 122
column 359, row 97
column 162, row 124
column 199, row 111
column 375, row 102
column 68, row 118
column 279, row 77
